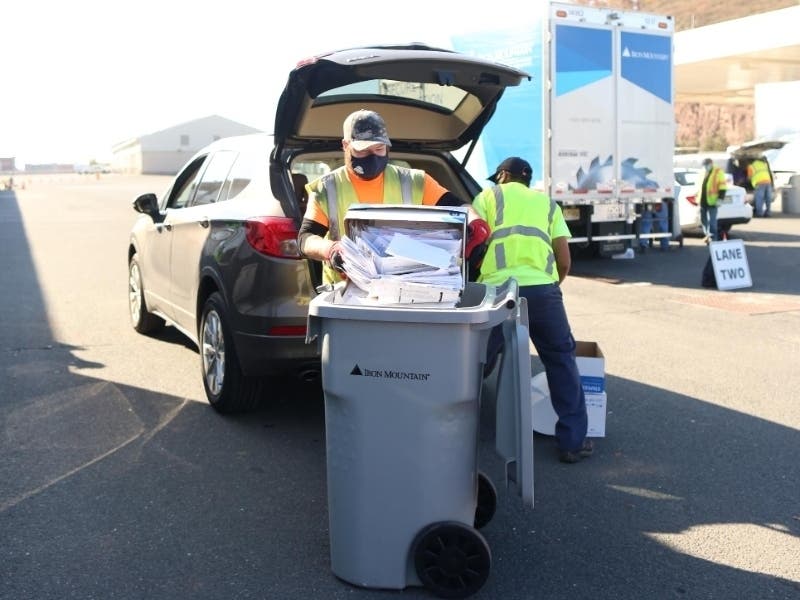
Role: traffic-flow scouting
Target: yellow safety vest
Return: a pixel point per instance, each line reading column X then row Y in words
column 760, row 173
column 714, row 183
column 520, row 245
column 335, row 193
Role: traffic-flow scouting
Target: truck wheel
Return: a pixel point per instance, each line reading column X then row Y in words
column 487, row 501
column 143, row 320
column 227, row 390
column 452, row 560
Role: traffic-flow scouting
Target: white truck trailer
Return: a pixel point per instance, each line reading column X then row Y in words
column 597, row 119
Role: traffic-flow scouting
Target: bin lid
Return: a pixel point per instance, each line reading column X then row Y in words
column 514, row 413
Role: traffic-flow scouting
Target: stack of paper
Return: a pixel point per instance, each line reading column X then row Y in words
column 398, row 265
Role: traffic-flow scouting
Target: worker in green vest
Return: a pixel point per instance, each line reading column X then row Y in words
column 712, row 191
column 528, row 241
column 760, row 177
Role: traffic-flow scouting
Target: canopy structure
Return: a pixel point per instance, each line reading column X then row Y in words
column 724, row 62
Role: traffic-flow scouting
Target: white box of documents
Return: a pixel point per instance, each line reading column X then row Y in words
column 405, row 254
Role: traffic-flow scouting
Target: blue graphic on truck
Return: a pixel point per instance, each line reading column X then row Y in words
column 599, row 172
column 647, row 62
column 583, row 56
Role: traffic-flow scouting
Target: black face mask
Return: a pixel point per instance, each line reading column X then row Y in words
column 369, row 167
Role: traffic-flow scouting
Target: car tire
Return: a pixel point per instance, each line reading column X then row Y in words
column 142, row 319
column 227, row 389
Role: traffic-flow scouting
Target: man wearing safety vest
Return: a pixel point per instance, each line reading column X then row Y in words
column 367, row 177
column 712, row 191
column 529, row 242
column 761, row 179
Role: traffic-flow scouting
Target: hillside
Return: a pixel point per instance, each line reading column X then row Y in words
column 711, row 127
column 694, row 13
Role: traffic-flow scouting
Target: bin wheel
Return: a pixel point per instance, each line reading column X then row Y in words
column 487, row 501
column 452, row 560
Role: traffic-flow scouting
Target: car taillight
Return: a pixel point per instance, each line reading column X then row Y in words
column 273, row 236
column 692, row 200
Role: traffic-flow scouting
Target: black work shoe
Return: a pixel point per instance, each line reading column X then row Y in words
column 573, row 456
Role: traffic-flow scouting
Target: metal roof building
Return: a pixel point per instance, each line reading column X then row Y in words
column 165, row 152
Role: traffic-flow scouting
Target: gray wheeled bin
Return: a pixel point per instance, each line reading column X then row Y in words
column 402, row 393
column 790, row 196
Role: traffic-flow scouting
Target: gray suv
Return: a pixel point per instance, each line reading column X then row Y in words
column 216, row 256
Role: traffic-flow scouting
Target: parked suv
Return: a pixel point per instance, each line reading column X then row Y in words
column 216, row 254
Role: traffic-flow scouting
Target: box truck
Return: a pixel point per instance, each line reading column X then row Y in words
column 596, row 120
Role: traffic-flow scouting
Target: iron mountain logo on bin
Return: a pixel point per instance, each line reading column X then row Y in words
column 389, row 374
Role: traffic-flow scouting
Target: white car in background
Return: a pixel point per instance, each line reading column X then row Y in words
column 734, row 210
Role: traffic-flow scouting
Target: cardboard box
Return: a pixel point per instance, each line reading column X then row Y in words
column 591, row 366
column 596, row 410
column 544, row 417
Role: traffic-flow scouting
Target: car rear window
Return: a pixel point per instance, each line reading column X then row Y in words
column 434, row 95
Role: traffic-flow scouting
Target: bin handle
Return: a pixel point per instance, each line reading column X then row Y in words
column 509, row 289
column 505, row 306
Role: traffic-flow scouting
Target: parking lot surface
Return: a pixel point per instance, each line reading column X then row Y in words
column 119, row 481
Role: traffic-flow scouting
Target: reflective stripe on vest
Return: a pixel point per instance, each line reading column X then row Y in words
column 499, row 235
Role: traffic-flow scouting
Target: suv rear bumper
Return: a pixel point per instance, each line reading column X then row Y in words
column 262, row 355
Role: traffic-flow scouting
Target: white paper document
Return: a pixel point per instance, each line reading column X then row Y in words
column 402, row 266
column 403, row 246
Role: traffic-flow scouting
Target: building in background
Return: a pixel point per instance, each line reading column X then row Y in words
column 165, row 152
column 8, row 164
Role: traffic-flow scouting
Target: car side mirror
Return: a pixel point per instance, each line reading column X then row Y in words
column 147, row 204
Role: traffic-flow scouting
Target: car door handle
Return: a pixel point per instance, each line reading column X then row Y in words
column 167, row 226
column 204, row 222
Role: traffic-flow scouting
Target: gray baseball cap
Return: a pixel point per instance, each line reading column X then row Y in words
column 365, row 128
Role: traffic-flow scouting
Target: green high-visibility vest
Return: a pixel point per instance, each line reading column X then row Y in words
column 760, row 173
column 715, row 182
column 520, row 245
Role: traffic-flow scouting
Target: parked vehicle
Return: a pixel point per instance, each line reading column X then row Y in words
column 597, row 120
column 733, row 210
column 734, row 161
column 216, row 254
column 785, row 161
column 741, row 157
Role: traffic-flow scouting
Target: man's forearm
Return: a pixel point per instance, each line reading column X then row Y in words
column 316, row 247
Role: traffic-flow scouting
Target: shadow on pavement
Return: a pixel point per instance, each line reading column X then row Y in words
column 681, row 267
column 118, row 491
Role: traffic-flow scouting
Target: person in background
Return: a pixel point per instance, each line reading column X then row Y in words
column 760, row 176
column 367, row 177
column 712, row 191
column 529, row 242
column 657, row 214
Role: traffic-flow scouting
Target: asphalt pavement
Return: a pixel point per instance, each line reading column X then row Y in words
column 117, row 480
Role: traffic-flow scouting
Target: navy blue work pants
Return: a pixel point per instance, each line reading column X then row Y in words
column 552, row 337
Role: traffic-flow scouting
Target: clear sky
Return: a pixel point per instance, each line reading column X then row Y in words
column 82, row 75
